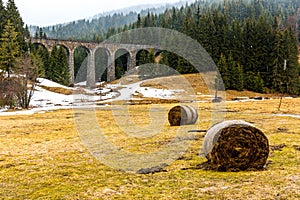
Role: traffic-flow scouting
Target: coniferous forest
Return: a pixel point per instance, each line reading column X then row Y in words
column 254, row 43
column 250, row 41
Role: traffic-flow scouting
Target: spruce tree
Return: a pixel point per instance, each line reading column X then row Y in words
column 236, row 80
column 254, row 82
column 165, row 67
column 151, row 56
column 59, row 66
column 53, row 64
column 292, row 82
column 119, row 71
column 64, row 67
column 223, row 69
column 139, row 21
column 259, row 87
column 239, row 77
column 164, row 58
column 3, row 17
column 9, row 49
column 14, row 16
column 41, row 33
column 143, row 57
column 27, row 32
column 44, row 55
column 278, row 57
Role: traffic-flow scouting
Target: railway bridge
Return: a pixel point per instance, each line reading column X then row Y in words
column 91, row 48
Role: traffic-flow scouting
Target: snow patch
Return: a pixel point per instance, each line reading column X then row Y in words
column 44, row 100
column 48, row 83
column 156, row 93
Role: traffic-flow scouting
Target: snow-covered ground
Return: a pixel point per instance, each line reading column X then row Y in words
column 48, row 83
column 127, row 92
column 44, row 100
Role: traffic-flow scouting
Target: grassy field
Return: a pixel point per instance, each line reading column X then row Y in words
column 42, row 157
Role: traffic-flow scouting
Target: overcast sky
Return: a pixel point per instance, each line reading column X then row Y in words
column 51, row 12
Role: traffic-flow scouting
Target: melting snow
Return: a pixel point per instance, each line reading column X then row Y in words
column 44, row 100
column 48, row 83
column 156, row 93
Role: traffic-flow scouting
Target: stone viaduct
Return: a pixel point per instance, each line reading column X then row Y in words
column 91, row 49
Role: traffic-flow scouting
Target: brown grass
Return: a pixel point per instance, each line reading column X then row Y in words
column 58, row 90
column 42, row 157
column 195, row 84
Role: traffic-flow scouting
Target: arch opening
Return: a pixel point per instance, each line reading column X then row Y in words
column 81, row 54
column 142, row 57
column 102, row 56
column 122, row 60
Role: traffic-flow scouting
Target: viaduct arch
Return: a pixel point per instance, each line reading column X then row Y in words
column 91, row 50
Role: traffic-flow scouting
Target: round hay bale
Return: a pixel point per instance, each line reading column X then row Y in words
column 182, row 115
column 235, row 146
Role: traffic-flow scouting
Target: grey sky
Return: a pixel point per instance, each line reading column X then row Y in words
column 51, row 12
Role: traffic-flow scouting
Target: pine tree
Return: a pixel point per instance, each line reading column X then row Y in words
column 36, row 35
column 188, row 24
column 147, row 71
column 53, row 64
column 254, row 82
column 223, row 69
column 3, row 17
column 292, row 82
column 14, row 16
column 40, row 33
column 9, row 49
column 164, row 58
column 44, row 36
column 259, row 87
column 64, row 67
column 236, row 80
column 45, row 56
column 151, row 56
column 119, row 71
column 27, row 32
column 143, row 57
column 60, row 71
column 239, row 77
column 278, row 55
column 165, row 66
column 139, row 21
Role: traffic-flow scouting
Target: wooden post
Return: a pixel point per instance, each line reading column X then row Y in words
column 284, row 68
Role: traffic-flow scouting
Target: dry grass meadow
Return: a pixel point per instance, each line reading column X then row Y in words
column 42, row 157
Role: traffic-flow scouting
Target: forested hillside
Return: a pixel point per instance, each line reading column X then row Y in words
column 253, row 42
column 97, row 28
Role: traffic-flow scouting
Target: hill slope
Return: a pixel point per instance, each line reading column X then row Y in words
column 99, row 24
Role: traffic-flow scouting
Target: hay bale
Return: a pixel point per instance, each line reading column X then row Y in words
column 235, row 146
column 182, row 115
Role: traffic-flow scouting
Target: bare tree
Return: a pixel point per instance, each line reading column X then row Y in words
column 8, row 91
column 17, row 89
column 28, row 72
